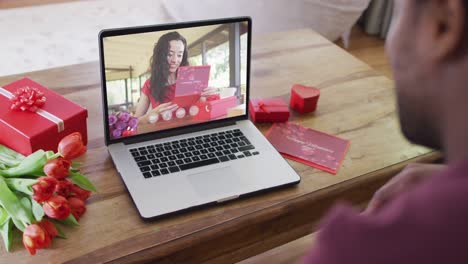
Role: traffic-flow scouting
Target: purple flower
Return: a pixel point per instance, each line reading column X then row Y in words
column 133, row 123
column 116, row 133
column 124, row 116
column 112, row 119
column 120, row 125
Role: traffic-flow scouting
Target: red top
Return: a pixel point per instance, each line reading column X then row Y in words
column 169, row 96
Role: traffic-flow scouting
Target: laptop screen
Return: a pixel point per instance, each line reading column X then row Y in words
column 176, row 77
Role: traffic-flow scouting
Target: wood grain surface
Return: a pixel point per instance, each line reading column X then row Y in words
column 356, row 103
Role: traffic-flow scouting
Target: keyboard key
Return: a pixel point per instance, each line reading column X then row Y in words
column 156, row 161
column 141, row 148
column 187, row 160
column 240, row 156
column 160, row 149
column 183, row 150
column 255, row 153
column 163, row 165
column 135, row 154
column 176, row 146
column 229, row 141
column 211, row 150
column 150, row 156
column 198, row 147
column 172, row 158
column 151, row 150
column 226, row 152
column 232, row 157
column 159, row 155
column 167, row 148
column 175, row 152
column 167, row 153
column 164, row 159
column 166, row 143
column 184, row 145
column 195, row 158
column 143, row 152
column 206, row 136
column 158, row 145
column 204, row 151
column 219, row 148
column 203, row 157
column 223, row 158
column 180, row 156
column 236, row 139
column 147, row 175
column 237, row 134
column 179, row 162
column 234, row 145
column 140, row 158
column 145, row 169
column 155, row 173
column 241, row 143
column 206, row 145
column 234, row 151
column 199, row 164
column 191, row 148
column 173, row 169
column 188, row 154
column 214, row 144
column 199, row 142
column 228, row 136
column 247, row 153
column 244, row 148
column 198, row 137
column 164, row 171
column 154, row 167
column 144, row 163
column 219, row 153
column 171, row 163
column 196, row 153
column 134, row 150
column 227, row 146
column 236, row 130
column 222, row 137
column 221, row 142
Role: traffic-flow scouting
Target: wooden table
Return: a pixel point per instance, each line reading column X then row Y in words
column 357, row 103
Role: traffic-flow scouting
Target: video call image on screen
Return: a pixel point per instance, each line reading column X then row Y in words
column 166, row 79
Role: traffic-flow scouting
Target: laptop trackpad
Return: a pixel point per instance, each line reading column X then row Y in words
column 216, row 184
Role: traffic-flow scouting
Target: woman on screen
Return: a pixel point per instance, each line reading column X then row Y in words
column 169, row 53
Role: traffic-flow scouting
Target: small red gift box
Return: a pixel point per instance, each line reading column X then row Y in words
column 268, row 110
column 304, row 98
column 26, row 131
column 212, row 109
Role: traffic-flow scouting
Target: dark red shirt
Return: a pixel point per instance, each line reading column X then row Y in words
column 169, row 96
column 428, row 224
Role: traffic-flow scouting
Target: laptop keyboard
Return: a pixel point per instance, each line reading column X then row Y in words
column 179, row 155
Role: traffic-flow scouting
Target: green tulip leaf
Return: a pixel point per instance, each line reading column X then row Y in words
column 32, row 165
column 21, row 185
column 15, row 208
column 70, row 221
column 82, row 181
column 37, row 210
column 6, row 229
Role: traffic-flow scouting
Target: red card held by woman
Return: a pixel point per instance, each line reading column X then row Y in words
column 311, row 147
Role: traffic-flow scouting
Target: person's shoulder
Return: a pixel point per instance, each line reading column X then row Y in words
column 146, row 87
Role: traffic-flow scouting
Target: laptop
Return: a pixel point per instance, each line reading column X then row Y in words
column 182, row 162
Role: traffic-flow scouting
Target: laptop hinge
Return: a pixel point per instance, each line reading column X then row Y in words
column 178, row 131
column 223, row 200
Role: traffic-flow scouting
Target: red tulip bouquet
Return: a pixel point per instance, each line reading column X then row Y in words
column 41, row 192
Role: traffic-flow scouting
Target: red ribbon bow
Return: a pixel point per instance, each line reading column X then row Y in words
column 27, row 99
column 263, row 106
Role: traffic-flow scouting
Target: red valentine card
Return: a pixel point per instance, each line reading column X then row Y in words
column 308, row 146
column 192, row 80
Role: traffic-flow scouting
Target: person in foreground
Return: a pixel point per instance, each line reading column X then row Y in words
column 421, row 215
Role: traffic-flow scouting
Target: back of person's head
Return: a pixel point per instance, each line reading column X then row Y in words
column 428, row 49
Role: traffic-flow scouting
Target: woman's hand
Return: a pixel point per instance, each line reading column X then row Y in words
column 163, row 107
column 409, row 177
column 209, row 91
column 158, row 110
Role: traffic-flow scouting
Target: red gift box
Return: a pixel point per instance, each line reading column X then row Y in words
column 26, row 131
column 212, row 109
column 268, row 110
column 304, row 98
